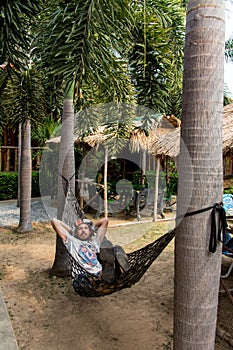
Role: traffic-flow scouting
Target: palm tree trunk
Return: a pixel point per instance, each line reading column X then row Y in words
column 106, row 182
column 197, row 272
column 25, row 179
column 66, row 168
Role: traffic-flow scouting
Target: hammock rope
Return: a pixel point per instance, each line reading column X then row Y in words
column 88, row 285
column 139, row 260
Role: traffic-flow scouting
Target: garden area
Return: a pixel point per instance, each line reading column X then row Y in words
column 98, row 99
column 46, row 313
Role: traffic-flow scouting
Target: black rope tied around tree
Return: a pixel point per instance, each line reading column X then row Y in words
column 218, row 223
column 218, row 226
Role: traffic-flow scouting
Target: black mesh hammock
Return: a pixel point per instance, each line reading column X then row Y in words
column 88, row 285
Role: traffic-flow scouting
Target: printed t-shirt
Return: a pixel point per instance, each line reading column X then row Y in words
column 84, row 252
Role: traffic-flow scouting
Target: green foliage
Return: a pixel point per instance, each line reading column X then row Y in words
column 3, row 117
column 35, row 184
column 24, row 97
column 228, row 190
column 44, row 130
column 172, row 183
column 16, row 17
column 229, row 50
column 9, row 185
column 228, row 97
column 156, row 58
column 85, row 41
column 118, row 122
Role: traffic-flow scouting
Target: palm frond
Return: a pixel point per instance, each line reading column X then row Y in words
column 84, row 40
column 24, row 97
column 229, row 50
column 16, row 18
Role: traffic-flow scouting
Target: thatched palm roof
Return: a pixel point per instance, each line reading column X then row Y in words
column 169, row 144
column 98, row 138
column 138, row 138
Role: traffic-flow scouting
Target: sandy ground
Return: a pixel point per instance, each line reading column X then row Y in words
column 47, row 314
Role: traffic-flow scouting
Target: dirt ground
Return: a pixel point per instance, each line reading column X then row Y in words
column 47, row 314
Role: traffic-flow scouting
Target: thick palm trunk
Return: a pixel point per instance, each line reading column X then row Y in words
column 197, row 272
column 25, row 179
column 66, row 168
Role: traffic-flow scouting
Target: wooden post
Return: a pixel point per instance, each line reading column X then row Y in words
column 16, row 159
column 8, row 157
column 149, row 162
column 142, row 180
column 157, row 166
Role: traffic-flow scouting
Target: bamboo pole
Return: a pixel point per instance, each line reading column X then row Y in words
column 157, row 166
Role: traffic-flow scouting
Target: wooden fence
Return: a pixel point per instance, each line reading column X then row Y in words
column 9, row 158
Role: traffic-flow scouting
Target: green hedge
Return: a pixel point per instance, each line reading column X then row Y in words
column 9, row 185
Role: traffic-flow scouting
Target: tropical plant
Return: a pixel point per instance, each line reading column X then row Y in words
column 16, row 17
column 83, row 43
column 24, row 103
column 44, row 129
column 229, row 50
column 156, row 59
column 16, row 27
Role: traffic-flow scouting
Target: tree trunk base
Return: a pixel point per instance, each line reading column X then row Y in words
column 55, row 271
column 22, row 229
column 61, row 266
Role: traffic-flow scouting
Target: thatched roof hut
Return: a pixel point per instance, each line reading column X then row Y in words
column 166, row 145
column 98, row 137
column 169, row 144
column 138, row 138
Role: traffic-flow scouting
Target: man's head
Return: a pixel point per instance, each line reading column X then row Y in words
column 84, row 229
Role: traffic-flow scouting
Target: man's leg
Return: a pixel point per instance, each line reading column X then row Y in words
column 121, row 258
column 107, row 259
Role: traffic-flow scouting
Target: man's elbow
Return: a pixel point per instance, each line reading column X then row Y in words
column 105, row 222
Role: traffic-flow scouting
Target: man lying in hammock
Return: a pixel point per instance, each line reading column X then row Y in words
column 90, row 248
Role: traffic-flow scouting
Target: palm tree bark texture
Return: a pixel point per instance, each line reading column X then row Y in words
column 25, row 178
column 197, row 272
column 61, row 265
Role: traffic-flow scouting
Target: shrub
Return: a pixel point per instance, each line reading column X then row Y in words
column 9, row 185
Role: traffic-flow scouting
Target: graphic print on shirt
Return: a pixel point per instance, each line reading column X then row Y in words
column 87, row 254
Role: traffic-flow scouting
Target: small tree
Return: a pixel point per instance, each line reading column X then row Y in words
column 24, row 103
column 83, row 42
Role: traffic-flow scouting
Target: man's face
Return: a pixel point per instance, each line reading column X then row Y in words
column 83, row 232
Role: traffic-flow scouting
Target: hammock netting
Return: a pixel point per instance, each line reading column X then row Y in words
column 88, row 285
